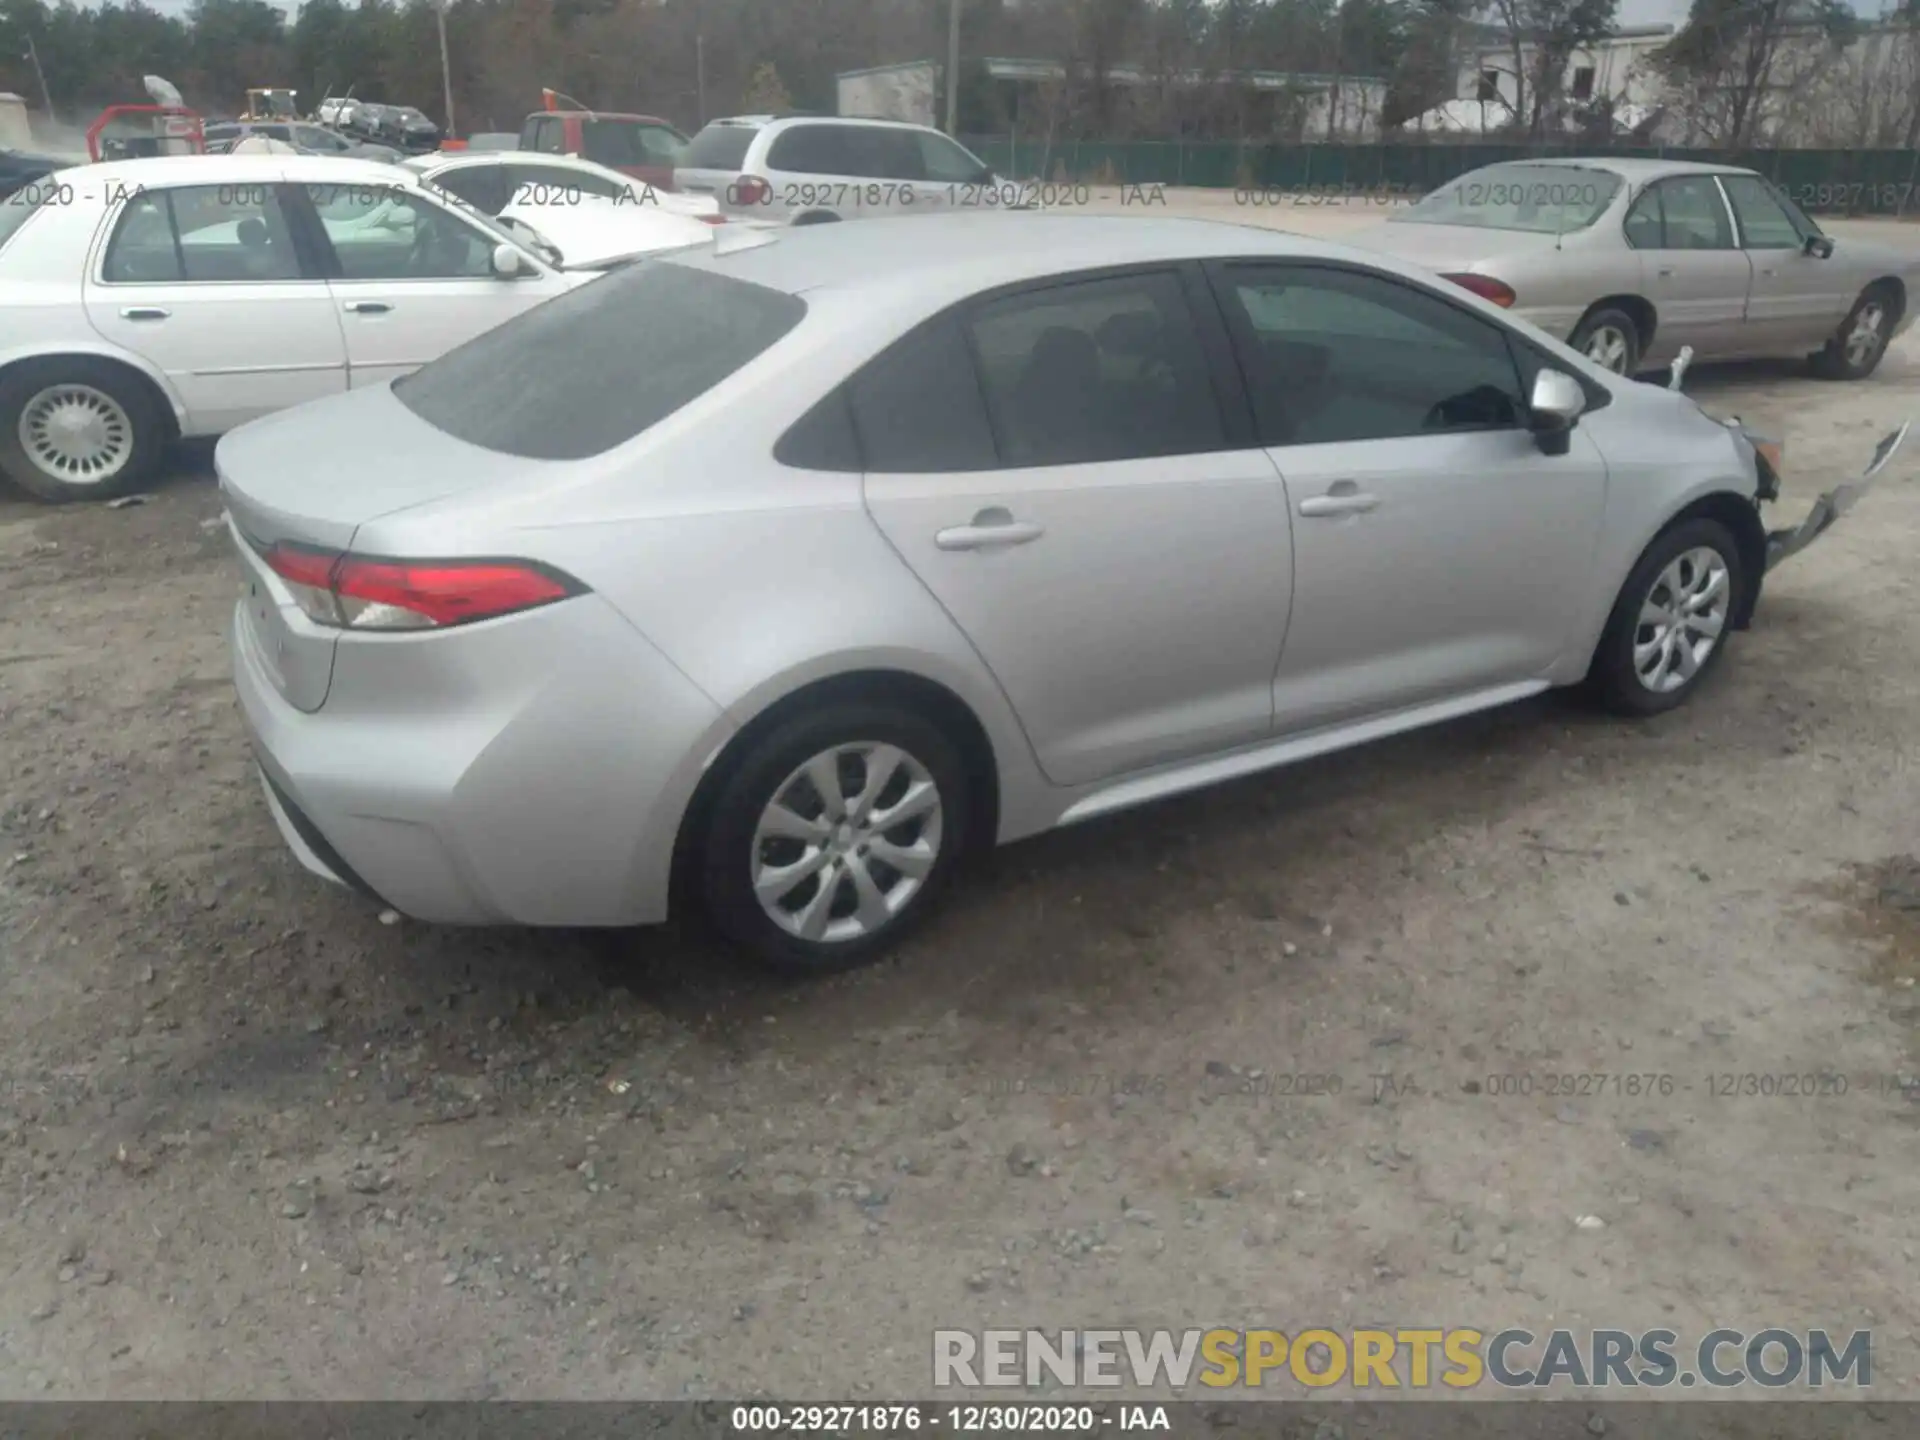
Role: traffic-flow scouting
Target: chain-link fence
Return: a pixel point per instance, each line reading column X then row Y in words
column 1833, row 182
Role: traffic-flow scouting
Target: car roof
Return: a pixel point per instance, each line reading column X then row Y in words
column 602, row 115
column 981, row 250
column 1633, row 167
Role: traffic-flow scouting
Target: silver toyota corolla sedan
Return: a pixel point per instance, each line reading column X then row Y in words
column 797, row 568
column 1630, row 260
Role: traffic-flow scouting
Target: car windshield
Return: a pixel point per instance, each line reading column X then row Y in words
column 1546, row 199
column 592, row 369
column 23, row 204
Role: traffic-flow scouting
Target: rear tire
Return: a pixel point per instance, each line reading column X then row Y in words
column 78, row 428
column 1671, row 622
column 1857, row 346
column 816, row 217
column 812, row 883
column 1610, row 339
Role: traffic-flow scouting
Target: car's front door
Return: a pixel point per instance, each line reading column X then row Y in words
column 1437, row 551
column 1691, row 266
column 1797, row 300
column 1058, row 468
column 412, row 279
column 207, row 283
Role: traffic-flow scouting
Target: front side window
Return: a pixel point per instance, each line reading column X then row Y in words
column 1764, row 221
column 549, row 135
column 1693, row 216
column 1338, row 355
column 201, row 234
column 945, row 162
column 1541, row 199
column 659, row 145
column 391, row 234
column 1099, row 370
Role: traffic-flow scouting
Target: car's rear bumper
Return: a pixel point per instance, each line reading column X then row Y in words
column 528, row 771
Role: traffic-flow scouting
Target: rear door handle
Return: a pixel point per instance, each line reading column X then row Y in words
column 367, row 307
column 992, row 527
column 1666, row 272
column 1344, row 499
column 144, row 312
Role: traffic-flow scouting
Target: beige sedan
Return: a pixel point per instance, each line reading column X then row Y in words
column 1630, row 260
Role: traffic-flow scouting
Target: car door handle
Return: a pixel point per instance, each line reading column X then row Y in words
column 1344, row 499
column 991, row 527
column 367, row 307
column 144, row 312
column 1666, row 272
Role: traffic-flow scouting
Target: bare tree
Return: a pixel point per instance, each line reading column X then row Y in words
column 1734, row 56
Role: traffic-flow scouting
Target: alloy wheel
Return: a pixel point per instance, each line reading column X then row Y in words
column 1681, row 619
column 1608, row 347
column 76, row 434
column 1867, row 333
column 847, row 841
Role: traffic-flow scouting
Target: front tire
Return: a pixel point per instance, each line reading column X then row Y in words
column 78, row 429
column 834, row 836
column 1670, row 624
column 1857, row 346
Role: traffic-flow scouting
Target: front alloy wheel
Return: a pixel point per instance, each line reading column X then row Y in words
column 1670, row 620
column 1608, row 347
column 1681, row 620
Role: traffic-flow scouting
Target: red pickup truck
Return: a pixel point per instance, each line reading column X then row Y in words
column 638, row 145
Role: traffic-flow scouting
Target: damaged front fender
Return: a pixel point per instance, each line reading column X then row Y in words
column 1832, row 505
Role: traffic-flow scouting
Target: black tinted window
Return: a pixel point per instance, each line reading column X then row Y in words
column 485, row 187
column 823, row 439
column 1103, row 370
column 592, row 369
column 719, row 147
column 814, row 150
column 918, row 409
column 1335, row 355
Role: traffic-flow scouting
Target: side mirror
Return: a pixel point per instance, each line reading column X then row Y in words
column 506, row 263
column 1819, row 247
column 1554, row 409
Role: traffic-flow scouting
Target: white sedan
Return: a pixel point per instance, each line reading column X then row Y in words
column 146, row 300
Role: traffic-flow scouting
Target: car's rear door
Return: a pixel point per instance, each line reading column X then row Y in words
column 1797, row 300
column 1062, row 468
column 1691, row 266
column 411, row 279
column 1437, row 552
column 211, row 284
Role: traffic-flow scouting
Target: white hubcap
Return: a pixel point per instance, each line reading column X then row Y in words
column 1681, row 620
column 1865, row 338
column 847, row 841
column 76, row 434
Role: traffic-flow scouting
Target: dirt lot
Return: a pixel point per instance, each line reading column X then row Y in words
column 258, row 1143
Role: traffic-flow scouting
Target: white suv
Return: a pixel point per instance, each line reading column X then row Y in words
column 809, row 169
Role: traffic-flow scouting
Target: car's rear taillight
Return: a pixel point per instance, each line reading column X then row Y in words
column 750, row 190
column 711, row 219
column 1486, row 287
column 356, row 592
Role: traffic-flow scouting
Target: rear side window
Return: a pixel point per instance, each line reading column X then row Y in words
column 487, row 188
column 719, row 147
column 918, row 408
column 207, row 233
column 1097, row 371
column 597, row 366
column 812, row 150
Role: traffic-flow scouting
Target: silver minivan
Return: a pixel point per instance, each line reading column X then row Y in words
column 805, row 170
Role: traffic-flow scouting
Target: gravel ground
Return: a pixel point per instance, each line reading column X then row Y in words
column 257, row 1143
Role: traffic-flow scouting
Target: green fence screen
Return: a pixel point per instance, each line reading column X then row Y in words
column 1835, row 182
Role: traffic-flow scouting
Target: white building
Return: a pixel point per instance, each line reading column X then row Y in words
column 1618, row 69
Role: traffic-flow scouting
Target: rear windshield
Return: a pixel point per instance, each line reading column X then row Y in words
column 17, row 208
column 1549, row 199
column 592, row 369
column 719, row 147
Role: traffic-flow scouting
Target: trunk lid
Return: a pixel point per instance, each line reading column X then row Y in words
column 287, row 478
column 1449, row 247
